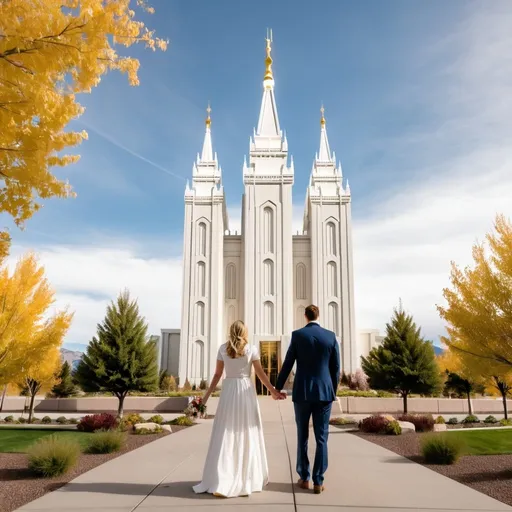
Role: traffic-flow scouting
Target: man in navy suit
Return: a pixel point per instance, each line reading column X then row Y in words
column 316, row 352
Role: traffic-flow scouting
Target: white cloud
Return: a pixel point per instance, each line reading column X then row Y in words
column 86, row 279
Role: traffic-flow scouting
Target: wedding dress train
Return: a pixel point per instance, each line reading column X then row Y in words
column 236, row 464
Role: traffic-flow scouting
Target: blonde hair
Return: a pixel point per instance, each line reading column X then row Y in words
column 237, row 340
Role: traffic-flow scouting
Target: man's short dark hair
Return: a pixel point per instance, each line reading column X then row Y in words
column 312, row 313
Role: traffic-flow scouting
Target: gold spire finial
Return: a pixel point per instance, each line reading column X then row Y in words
column 208, row 121
column 268, row 60
column 322, row 117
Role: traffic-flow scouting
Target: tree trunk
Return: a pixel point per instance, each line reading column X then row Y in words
column 31, row 408
column 505, row 405
column 120, row 409
column 404, row 396
column 3, row 398
column 470, row 405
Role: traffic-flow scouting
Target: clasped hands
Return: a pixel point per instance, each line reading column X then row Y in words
column 279, row 395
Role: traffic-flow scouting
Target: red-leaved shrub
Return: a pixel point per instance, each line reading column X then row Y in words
column 93, row 422
column 422, row 422
column 373, row 424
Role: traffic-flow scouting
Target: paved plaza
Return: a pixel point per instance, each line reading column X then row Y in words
column 362, row 477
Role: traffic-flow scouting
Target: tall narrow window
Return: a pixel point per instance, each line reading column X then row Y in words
column 268, row 230
column 201, row 279
column 268, row 277
column 332, row 317
column 198, row 360
column 268, row 318
column 230, row 284
column 201, row 239
column 332, row 249
column 332, row 280
column 300, row 281
column 199, row 319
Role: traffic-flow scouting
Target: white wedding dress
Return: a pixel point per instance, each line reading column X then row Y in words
column 236, row 464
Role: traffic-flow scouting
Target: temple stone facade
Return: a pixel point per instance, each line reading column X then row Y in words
column 265, row 275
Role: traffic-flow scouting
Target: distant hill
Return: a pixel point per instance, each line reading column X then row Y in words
column 73, row 357
column 438, row 350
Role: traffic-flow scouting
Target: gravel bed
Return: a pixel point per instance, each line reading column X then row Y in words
column 19, row 486
column 488, row 474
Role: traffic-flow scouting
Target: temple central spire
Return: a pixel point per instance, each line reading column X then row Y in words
column 268, row 124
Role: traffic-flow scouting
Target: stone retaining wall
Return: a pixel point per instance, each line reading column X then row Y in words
column 435, row 406
column 350, row 405
column 99, row 404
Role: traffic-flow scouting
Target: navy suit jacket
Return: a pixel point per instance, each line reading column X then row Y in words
column 316, row 352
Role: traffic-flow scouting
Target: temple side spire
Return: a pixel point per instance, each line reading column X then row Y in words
column 268, row 124
column 207, row 153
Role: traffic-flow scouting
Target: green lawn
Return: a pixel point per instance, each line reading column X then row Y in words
column 486, row 442
column 18, row 440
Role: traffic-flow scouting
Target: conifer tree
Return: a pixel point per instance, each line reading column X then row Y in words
column 65, row 386
column 404, row 362
column 120, row 359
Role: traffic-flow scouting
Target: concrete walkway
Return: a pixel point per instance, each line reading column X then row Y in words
column 362, row 477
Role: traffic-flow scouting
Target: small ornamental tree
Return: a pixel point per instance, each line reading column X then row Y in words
column 404, row 363
column 65, row 386
column 119, row 359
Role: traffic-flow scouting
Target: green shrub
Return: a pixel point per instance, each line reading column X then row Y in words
column 491, row 419
column 134, row 418
column 342, row 421
column 471, row 418
column 440, row 420
column 106, row 441
column 506, row 423
column 148, row 431
column 393, row 428
column 203, row 385
column 62, row 420
column 46, row 420
column 36, row 420
column 9, row 419
column 441, row 449
column 51, row 456
column 156, row 419
column 453, row 421
column 182, row 421
column 22, row 420
column 73, row 421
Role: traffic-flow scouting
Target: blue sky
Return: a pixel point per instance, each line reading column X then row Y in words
column 418, row 99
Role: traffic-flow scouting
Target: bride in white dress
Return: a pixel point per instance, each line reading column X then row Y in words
column 236, row 464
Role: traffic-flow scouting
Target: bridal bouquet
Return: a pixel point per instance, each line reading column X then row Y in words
column 196, row 408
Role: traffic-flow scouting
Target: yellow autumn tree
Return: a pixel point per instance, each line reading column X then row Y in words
column 479, row 310
column 51, row 50
column 27, row 331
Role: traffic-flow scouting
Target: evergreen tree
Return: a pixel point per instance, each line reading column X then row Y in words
column 404, row 362
column 65, row 387
column 120, row 359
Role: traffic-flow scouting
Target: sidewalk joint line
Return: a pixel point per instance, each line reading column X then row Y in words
column 289, row 458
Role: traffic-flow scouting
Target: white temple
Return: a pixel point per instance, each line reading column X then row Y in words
column 264, row 275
